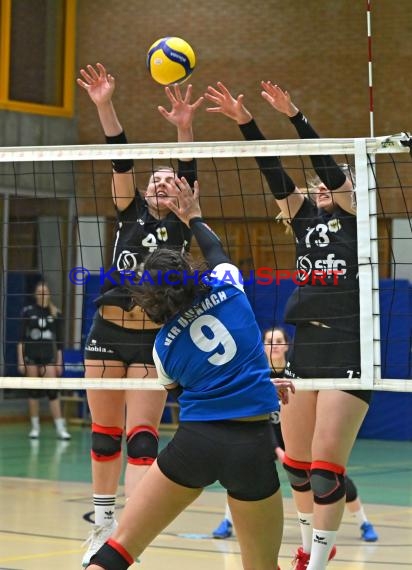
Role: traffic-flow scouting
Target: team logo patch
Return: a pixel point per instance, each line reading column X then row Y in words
column 334, row 225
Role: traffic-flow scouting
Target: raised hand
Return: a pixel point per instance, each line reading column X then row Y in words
column 227, row 104
column 182, row 110
column 283, row 386
column 280, row 100
column 98, row 83
column 185, row 202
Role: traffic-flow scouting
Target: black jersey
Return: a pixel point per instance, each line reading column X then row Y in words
column 138, row 233
column 41, row 333
column 327, row 268
column 277, row 373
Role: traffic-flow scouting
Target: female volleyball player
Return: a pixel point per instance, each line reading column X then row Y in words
column 319, row 427
column 40, row 353
column 121, row 339
column 209, row 352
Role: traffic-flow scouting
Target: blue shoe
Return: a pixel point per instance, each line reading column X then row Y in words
column 368, row 532
column 224, row 530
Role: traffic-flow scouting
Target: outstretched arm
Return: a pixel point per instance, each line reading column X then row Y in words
column 187, row 209
column 100, row 86
column 182, row 111
column 181, row 116
column 288, row 197
column 325, row 166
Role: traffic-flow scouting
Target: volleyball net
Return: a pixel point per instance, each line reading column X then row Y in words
column 58, row 225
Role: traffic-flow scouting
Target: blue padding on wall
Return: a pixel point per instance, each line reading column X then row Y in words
column 396, row 327
column 389, row 417
column 268, row 303
column 73, row 363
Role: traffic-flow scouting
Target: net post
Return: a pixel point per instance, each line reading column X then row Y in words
column 364, row 263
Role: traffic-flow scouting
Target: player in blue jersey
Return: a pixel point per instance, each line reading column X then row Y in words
column 209, row 353
column 120, row 341
column 319, row 427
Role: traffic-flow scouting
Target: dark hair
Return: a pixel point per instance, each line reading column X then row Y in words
column 163, row 296
column 272, row 330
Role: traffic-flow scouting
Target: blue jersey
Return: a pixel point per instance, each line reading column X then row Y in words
column 215, row 353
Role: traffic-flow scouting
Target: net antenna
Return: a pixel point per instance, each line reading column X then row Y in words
column 224, row 173
column 370, row 62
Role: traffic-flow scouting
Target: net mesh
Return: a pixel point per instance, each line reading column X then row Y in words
column 58, row 225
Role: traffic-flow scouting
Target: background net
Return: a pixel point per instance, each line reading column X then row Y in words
column 58, row 224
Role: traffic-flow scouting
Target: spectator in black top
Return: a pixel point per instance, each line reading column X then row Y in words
column 121, row 339
column 319, row 427
column 40, row 354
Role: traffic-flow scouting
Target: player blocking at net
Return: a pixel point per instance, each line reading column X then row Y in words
column 209, row 352
column 319, row 427
column 120, row 342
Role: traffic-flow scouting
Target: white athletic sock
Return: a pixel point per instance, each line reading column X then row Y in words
column 360, row 516
column 228, row 514
column 322, row 543
column 104, row 509
column 35, row 422
column 60, row 424
column 305, row 523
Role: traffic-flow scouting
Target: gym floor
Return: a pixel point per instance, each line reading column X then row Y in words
column 45, row 496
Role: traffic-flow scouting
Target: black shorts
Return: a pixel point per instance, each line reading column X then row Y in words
column 320, row 352
column 277, row 430
column 37, row 394
column 240, row 455
column 108, row 341
column 38, row 360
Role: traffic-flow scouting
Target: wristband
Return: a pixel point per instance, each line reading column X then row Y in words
column 120, row 165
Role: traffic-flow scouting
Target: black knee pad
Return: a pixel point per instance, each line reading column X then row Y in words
column 106, row 442
column 142, row 445
column 298, row 473
column 328, row 482
column 112, row 556
column 351, row 490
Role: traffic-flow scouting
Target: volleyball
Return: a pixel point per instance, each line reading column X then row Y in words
column 170, row 60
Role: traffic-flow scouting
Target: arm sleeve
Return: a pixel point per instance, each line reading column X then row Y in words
column 280, row 183
column 210, row 245
column 188, row 169
column 325, row 166
column 59, row 332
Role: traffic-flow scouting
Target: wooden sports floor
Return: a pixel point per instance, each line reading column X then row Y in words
column 46, row 510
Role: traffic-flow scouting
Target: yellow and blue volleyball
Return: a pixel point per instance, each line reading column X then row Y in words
column 170, row 60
